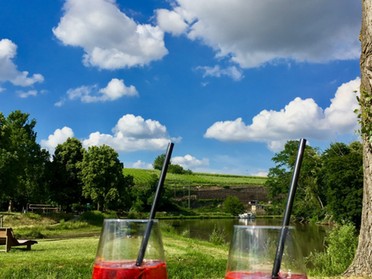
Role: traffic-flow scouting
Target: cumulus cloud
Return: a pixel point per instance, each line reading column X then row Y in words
column 140, row 165
column 260, row 173
column 170, row 21
column 190, row 162
column 29, row 93
column 300, row 118
column 58, row 137
column 252, row 33
column 133, row 133
column 110, row 39
column 9, row 71
column 114, row 90
column 233, row 72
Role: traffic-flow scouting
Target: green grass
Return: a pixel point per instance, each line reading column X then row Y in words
column 142, row 176
column 73, row 258
column 66, row 253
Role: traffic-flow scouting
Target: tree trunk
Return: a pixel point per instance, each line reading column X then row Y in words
column 362, row 263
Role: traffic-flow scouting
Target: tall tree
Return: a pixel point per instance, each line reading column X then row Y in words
column 22, row 161
column 309, row 201
column 102, row 177
column 66, row 184
column 341, row 178
column 362, row 263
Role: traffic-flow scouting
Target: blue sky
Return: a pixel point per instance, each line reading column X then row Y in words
column 229, row 81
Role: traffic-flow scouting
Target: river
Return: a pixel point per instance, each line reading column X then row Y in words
column 309, row 237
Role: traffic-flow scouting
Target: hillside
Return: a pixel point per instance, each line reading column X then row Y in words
column 142, row 176
column 204, row 186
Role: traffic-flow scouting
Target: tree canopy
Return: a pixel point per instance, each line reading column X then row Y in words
column 22, row 161
column 102, row 176
column 330, row 183
column 66, row 185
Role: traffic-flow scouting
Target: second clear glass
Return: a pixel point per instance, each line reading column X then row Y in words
column 252, row 254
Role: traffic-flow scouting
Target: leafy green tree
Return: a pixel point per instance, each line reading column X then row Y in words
column 177, row 169
column 102, row 177
column 342, row 179
column 22, row 161
column 233, row 205
column 159, row 161
column 143, row 196
column 309, row 200
column 66, row 185
column 172, row 168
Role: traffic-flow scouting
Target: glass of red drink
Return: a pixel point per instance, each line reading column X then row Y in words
column 252, row 254
column 118, row 250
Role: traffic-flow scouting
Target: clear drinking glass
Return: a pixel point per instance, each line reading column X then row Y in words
column 118, row 250
column 252, row 254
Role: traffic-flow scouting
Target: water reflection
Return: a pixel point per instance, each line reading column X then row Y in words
column 309, row 237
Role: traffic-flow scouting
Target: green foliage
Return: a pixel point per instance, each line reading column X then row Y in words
column 96, row 217
column 233, row 205
column 172, row 168
column 66, row 184
column 217, row 237
column 22, row 161
column 143, row 196
column 176, row 169
column 365, row 114
column 341, row 244
column 330, row 183
column 102, row 177
column 308, row 201
column 341, row 178
column 158, row 162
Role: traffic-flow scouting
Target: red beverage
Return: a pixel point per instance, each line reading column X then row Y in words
column 261, row 275
column 129, row 270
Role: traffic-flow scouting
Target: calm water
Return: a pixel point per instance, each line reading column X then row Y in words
column 309, row 236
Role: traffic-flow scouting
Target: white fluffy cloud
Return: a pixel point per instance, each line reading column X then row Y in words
column 190, row 162
column 171, row 21
column 9, row 71
column 300, row 118
column 252, row 33
column 133, row 133
column 140, row 165
column 233, row 72
column 110, row 39
column 58, row 137
column 114, row 90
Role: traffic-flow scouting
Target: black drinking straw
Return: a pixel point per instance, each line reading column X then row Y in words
column 145, row 240
column 288, row 210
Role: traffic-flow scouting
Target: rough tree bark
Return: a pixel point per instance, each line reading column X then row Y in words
column 362, row 263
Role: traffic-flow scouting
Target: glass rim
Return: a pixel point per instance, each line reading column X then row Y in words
column 262, row 227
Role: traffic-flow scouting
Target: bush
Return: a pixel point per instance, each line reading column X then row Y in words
column 233, row 205
column 217, row 236
column 341, row 244
column 96, row 217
